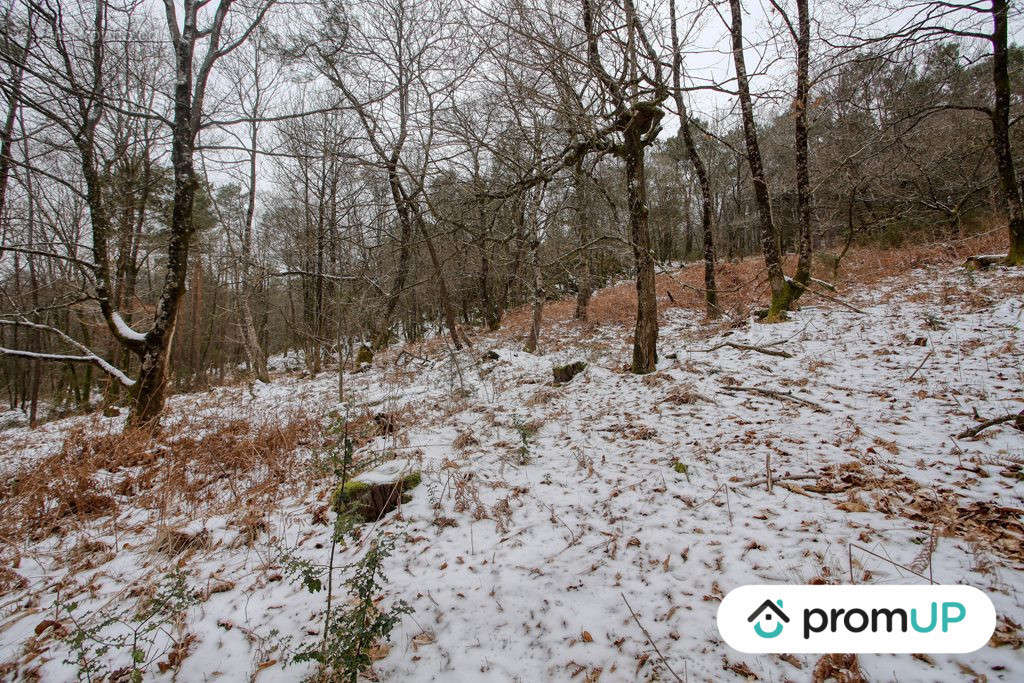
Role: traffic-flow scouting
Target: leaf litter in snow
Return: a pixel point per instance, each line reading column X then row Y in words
column 584, row 531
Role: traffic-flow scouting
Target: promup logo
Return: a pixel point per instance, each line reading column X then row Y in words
column 765, row 613
column 935, row 619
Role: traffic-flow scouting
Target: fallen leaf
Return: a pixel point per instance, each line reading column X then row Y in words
column 423, row 638
column 45, row 624
column 791, row 660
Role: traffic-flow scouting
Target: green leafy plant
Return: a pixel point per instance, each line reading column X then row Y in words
column 305, row 573
column 526, row 432
column 142, row 630
column 350, row 630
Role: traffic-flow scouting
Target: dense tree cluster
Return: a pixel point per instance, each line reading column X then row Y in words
column 190, row 188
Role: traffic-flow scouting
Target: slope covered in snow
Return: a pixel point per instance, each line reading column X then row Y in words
column 584, row 531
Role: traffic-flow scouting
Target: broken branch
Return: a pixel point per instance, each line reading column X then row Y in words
column 747, row 347
column 649, row 638
column 781, row 395
column 918, row 368
column 1017, row 418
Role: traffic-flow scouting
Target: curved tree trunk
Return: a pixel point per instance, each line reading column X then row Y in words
column 154, row 347
column 151, row 386
column 762, row 196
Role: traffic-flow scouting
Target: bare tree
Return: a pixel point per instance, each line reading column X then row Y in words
column 1000, row 115
column 706, row 206
column 784, row 291
column 70, row 73
column 395, row 64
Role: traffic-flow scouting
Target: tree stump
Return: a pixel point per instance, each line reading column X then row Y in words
column 364, row 356
column 376, row 492
column 983, row 261
column 564, row 373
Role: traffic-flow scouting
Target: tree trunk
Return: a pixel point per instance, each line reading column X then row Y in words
column 251, row 341
column 519, row 239
column 533, row 340
column 804, row 199
column 645, row 335
column 491, row 310
column 762, row 196
column 195, row 330
column 7, row 139
column 585, row 277
column 151, row 386
column 1001, row 133
column 710, row 290
column 405, row 222
column 446, row 304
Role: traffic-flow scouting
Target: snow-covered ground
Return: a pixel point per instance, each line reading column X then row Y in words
column 528, row 572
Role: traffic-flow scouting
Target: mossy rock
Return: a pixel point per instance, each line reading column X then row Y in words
column 376, row 492
column 364, row 356
column 564, row 373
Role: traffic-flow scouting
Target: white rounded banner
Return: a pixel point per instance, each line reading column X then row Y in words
column 858, row 619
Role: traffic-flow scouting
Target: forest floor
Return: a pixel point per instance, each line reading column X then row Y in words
column 543, row 510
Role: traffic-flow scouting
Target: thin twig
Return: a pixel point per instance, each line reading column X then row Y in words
column 881, row 557
column 824, row 296
column 837, row 301
column 649, row 638
column 776, row 480
column 918, row 368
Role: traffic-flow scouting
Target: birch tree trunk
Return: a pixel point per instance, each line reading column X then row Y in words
column 154, row 347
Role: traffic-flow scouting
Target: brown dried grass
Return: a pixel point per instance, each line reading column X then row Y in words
column 230, row 465
column 743, row 284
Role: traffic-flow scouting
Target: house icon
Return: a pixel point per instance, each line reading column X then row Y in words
column 764, row 615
